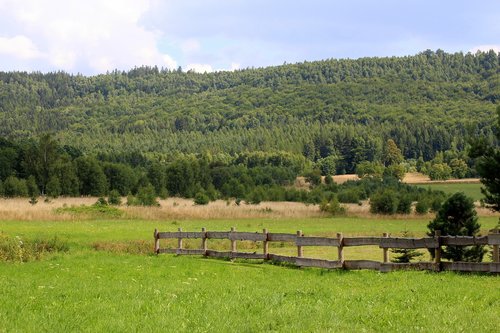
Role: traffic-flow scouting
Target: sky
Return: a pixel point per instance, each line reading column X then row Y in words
column 94, row 36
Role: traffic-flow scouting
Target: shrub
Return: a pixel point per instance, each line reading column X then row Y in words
column 114, row 198
column 440, row 171
column 314, row 177
column 422, row 207
column 256, row 196
column 396, row 171
column 384, row 202
column 17, row 249
column 201, row 199
column 457, row 217
column 15, row 187
column 101, row 202
column 333, row 207
column 146, row 196
column 349, row 196
column 404, row 205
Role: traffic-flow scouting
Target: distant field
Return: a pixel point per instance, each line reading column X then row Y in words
column 471, row 190
column 115, row 290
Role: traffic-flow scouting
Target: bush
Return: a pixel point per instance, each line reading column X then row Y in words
column 457, row 217
column 201, row 199
column 314, row 177
column 404, row 205
column 440, row 171
column 17, row 249
column 422, row 207
column 146, row 196
column 351, row 195
column 101, row 202
column 114, row 198
column 384, row 202
column 14, row 187
column 333, row 207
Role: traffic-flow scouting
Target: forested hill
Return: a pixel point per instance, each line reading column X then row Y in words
column 427, row 103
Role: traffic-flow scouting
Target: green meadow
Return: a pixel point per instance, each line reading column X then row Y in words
column 100, row 284
column 472, row 190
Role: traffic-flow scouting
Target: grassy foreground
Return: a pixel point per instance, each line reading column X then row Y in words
column 99, row 291
column 89, row 290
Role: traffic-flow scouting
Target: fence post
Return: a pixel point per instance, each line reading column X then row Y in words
column 299, row 248
column 157, row 241
column 341, row 248
column 179, row 242
column 233, row 242
column 386, row 250
column 266, row 245
column 204, row 241
column 437, row 251
column 496, row 252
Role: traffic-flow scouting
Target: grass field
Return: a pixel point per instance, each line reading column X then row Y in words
column 471, row 190
column 89, row 290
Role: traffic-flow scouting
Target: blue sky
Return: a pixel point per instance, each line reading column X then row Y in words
column 95, row 36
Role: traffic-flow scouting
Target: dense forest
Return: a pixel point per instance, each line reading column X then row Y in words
column 427, row 103
column 259, row 126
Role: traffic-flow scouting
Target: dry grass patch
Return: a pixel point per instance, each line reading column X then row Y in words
column 420, row 178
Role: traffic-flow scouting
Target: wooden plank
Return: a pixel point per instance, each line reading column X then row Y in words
column 460, row 266
column 248, row 255
column 317, row 241
column 277, row 237
column 180, row 234
column 494, row 267
column 218, row 234
column 320, row 263
column 218, row 254
column 362, row 264
column 190, row 251
column 167, row 251
column 278, row 258
column 249, row 236
column 494, row 239
column 361, row 241
column 463, row 240
column 164, row 235
column 392, row 266
column 409, row 243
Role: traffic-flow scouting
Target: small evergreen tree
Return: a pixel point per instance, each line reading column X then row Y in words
column 457, row 217
column 405, row 255
column 114, row 198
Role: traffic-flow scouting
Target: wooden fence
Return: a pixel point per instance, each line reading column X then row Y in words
column 300, row 241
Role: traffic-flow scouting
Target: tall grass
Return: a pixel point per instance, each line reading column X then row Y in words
column 17, row 249
column 104, row 292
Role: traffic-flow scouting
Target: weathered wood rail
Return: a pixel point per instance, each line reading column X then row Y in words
column 300, row 241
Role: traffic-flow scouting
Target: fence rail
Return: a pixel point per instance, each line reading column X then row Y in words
column 299, row 240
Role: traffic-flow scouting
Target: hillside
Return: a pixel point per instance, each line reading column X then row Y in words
column 429, row 102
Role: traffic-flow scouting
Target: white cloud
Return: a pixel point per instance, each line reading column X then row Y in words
column 90, row 36
column 200, row 68
column 235, row 66
column 190, row 45
column 486, row 48
column 19, row 46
